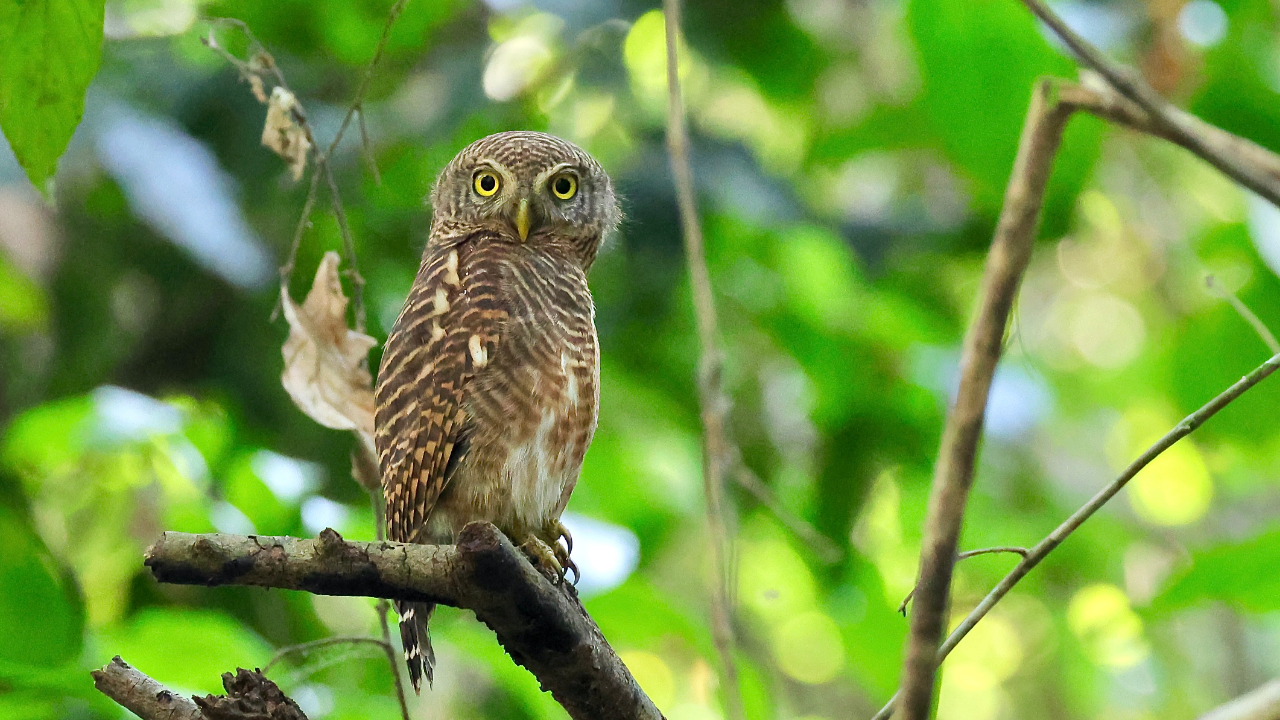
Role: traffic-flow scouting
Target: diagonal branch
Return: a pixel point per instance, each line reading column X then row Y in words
column 1255, row 322
column 1053, row 103
column 250, row 696
column 983, row 342
column 1042, row 549
column 141, row 695
column 1180, row 126
column 541, row 625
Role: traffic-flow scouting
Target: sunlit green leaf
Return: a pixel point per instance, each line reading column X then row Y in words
column 39, row 619
column 22, row 301
column 158, row 641
column 49, row 51
column 1240, row 574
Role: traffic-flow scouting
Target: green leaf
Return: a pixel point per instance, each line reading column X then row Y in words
column 49, row 52
column 23, row 305
column 1241, row 574
column 980, row 61
column 158, row 641
column 39, row 617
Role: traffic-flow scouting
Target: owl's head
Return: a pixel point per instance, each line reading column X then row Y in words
column 530, row 188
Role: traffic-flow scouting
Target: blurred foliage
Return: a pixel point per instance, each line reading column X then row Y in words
column 851, row 159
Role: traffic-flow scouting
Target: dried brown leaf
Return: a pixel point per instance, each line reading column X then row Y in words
column 325, row 362
column 282, row 134
column 259, row 90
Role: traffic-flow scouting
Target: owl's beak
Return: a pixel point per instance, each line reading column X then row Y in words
column 522, row 219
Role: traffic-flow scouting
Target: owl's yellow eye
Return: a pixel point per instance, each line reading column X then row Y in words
column 486, row 183
column 564, row 186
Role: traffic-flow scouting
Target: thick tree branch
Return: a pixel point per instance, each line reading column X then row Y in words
column 141, row 695
column 250, row 696
column 541, row 625
column 953, row 474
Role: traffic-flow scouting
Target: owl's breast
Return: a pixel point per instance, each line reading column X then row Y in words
column 534, row 407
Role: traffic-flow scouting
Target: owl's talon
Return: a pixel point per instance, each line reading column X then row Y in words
column 564, row 551
column 566, row 562
column 562, row 533
column 544, row 559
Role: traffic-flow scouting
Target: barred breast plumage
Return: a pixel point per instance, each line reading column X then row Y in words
column 488, row 390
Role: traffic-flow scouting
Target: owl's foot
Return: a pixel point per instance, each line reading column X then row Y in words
column 564, row 551
column 543, row 558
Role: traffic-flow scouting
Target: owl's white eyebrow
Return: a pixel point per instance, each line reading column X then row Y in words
column 556, row 170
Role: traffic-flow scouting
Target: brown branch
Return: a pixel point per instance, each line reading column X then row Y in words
column 902, row 607
column 541, row 625
column 1100, row 100
column 142, row 696
column 1042, row 549
column 1181, row 127
column 983, row 342
column 716, row 448
column 1262, row 703
column 1128, row 101
column 1053, row 103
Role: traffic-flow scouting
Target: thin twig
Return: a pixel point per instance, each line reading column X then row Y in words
column 357, row 104
column 902, row 607
column 1071, row 524
column 1129, row 84
column 983, row 342
column 306, row 647
column 304, row 220
column 716, row 448
column 1259, row 327
column 348, row 246
column 321, row 159
column 384, row 607
column 825, row 548
column 367, row 147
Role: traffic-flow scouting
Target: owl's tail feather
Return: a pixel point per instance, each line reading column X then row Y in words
column 416, row 639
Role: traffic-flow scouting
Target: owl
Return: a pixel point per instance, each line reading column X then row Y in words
column 489, row 384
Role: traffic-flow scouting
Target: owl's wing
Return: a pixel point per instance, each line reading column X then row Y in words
column 449, row 329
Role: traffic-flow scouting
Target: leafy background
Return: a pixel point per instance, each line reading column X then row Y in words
column 850, row 159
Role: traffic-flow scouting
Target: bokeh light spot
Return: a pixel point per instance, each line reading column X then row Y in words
column 654, row 676
column 773, row 581
column 1107, row 331
column 809, row 648
column 1202, row 23
column 1175, row 489
column 1100, row 617
column 992, row 645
